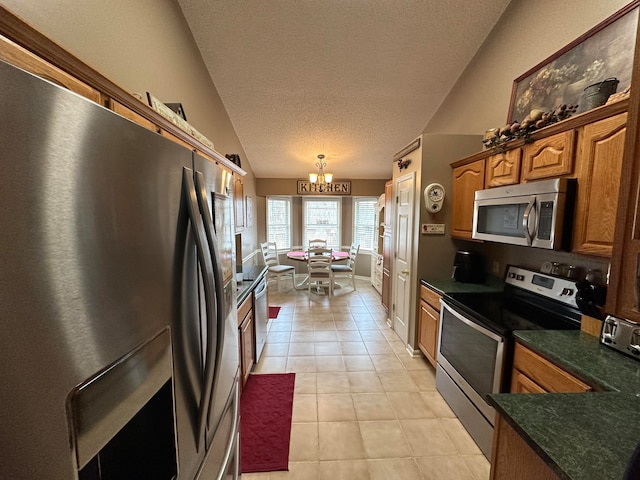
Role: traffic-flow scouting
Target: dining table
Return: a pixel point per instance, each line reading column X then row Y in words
column 301, row 256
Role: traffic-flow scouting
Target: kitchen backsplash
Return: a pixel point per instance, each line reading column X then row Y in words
column 532, row 258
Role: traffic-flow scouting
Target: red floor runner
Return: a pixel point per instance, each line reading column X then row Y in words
column 265, row 422
column 273, row 312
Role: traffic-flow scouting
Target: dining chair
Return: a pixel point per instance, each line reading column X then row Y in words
column 319, row 269
column 348, row 270
column 317, row 243
column 274, row 269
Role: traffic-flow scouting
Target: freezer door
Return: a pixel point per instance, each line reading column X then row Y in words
column 89, row 208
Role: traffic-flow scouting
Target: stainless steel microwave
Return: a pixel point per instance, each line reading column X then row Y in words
column 536, row 214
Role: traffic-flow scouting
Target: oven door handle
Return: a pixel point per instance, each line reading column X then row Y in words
column 472, row 324
column 525, row 220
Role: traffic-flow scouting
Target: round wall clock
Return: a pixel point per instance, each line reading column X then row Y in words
column 433, row 197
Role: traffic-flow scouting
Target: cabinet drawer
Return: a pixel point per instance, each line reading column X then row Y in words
column 245, row 308
column 546, row 374
column 431, row 297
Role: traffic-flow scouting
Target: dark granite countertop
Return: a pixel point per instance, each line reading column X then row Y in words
column 581, row 436
column 585, row 357
column 251, row 276
column 449, row 285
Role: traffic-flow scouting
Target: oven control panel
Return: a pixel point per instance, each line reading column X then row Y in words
column 559, row 289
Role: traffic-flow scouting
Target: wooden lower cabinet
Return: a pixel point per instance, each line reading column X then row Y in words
column 512, row 458
column 429, row 323
column 246, row 326
column 535, row 374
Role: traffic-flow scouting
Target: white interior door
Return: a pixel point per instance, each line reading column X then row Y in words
column 403, row 260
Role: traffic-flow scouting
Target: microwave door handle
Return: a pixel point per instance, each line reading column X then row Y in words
column 525, row 220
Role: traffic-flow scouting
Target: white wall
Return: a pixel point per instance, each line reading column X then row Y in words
column 527, row 33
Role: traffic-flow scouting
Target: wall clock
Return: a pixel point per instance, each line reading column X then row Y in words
column 433, row 197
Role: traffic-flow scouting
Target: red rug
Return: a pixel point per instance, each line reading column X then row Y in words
column 265, row 422
column 273, row 312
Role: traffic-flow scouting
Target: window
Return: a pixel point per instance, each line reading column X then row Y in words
column 321, row 219
column 364, row 222
column 279, row 221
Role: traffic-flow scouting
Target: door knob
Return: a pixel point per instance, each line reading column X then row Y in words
column 405, row 272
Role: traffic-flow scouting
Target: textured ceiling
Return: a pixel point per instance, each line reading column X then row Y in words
column 355, row 80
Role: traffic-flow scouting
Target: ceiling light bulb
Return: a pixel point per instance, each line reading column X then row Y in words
column 313, row 177
column 328, row 177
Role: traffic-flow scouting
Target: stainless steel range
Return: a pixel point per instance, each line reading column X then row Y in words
column 475, row 346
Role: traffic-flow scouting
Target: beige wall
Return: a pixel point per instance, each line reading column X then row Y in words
column 143, row 45
column 527, row 33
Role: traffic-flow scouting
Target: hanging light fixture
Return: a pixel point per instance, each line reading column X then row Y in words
column 321, row 178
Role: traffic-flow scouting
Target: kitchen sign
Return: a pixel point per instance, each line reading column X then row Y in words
column 333, row 188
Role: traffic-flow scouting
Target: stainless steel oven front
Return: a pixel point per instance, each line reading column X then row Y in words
column 470, row 366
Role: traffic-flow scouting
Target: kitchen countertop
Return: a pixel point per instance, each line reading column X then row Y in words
column 581, row 436
column 449, row 285
column 251, row 276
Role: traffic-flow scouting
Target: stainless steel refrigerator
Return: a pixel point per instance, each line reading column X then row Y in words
column 119, row 350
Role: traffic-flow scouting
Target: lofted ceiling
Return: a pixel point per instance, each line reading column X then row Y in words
column 355, row 80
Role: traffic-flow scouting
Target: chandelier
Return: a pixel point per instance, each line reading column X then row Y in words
column 320, row 178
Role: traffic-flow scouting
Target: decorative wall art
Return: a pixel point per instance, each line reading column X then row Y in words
column 604, row 52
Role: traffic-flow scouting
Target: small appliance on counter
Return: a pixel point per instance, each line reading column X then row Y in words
column 622, row 335
column 468, row 267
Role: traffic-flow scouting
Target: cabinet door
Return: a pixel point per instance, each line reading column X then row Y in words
column 388, row 206
column 549, row 157
column 247, row 349
column 428, row 331
column 520, row 383
column 14, row 54
column 466, row 180
column 238, row 198
column 126, row 112
column 598, row 168
column 503, row 168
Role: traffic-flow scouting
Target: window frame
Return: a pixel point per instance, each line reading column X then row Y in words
column 316, row 199
column 288, row 201
column 374, row 226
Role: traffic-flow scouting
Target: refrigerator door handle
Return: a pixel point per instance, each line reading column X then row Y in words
column 201, row 192
column 204, row 259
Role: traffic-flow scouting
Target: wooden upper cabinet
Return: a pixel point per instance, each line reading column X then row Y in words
column 131, row 115
column 175, row 139
column 598, row 169
column 238, row 201
column 388, row 206
column 14, row 54
column 503, row 168
column 549, row 157
column 466, row 180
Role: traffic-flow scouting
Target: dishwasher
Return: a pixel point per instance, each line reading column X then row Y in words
column 261, row 315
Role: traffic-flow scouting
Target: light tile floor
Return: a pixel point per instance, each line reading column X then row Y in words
column 364, row 408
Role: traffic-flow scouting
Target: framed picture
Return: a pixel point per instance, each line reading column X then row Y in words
column 178, row 109
column 604, row 52
column 235, row 158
